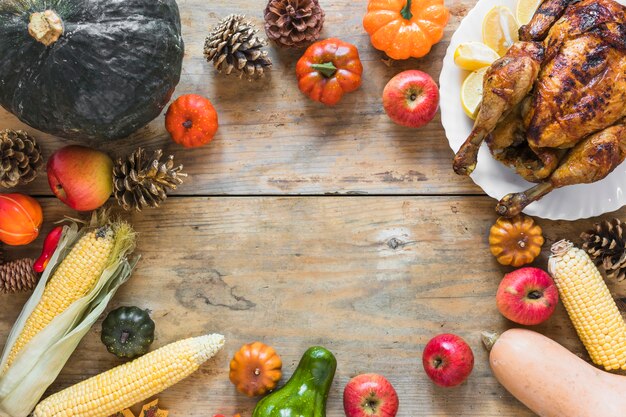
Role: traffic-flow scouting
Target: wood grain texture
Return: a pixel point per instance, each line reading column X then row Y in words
column 273, row 140
column 370, row 278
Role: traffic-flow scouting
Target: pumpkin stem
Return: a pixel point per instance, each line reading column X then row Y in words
column 125, row 336
column 327, row 69
column 406, row 11
column 46, row 27
column 187, row 124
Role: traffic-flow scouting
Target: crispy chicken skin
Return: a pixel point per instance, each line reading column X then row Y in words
column 582, row 86
column 507, row 82
column 548, row 12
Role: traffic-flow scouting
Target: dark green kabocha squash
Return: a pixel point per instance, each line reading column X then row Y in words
column 128, row 332
column 89, row 69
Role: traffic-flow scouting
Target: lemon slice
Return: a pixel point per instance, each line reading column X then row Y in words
column 472, row 92
column 500, row 29
column 473, row 56
column 526, row 10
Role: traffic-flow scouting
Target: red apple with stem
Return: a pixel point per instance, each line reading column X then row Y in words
column 370, row 395
column 411, row 98
column 448, row 360
column 527, row 296
column 81, row 177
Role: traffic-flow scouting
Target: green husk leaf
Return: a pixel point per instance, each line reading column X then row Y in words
column 41, row 360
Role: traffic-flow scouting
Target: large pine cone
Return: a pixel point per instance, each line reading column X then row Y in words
column 234, row 48
column 293, row 23
column 140, row 181
column 605, row 244
column 17, row 276
column 20, row 158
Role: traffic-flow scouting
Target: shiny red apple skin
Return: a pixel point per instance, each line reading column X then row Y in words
column 370, row 395
column 448, row 360
column 81, row 177
column 411, row 98
column 527, row 296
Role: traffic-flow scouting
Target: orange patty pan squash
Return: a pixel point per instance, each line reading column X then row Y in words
column 328, row 70
column 405, row 28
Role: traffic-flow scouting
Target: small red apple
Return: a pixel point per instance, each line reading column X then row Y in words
column 81, row 177
column 411, row 98
column 370, row 395
column 447, row 360
column 527, row 296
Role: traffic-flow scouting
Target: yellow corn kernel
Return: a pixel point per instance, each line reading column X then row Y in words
column 128, row 384
column 73, row 279
column 589, row 305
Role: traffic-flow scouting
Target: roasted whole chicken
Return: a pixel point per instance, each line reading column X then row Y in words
column 554, row 107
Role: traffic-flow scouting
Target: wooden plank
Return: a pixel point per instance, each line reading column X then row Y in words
column 370, row 278
column 273, row 140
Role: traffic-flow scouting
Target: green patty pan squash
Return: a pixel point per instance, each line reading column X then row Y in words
column 128, row 332
column 89, row 69
column 306, row 392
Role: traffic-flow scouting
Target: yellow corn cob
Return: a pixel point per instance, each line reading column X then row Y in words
column 128, row 384
column 589, row 305
column 73, row 279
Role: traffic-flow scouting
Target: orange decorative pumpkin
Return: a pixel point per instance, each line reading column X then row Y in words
column 516, row 241
column 255, row 369
column 20, row 219
column 405, row 28
column 191, row 120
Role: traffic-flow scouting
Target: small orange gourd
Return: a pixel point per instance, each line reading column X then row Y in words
column 516, row 241
column 20, row 219
column 405, row 28
column 255, row 369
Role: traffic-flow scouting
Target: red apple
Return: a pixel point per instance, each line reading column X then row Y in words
column 370, row 395
column 527, row 296
column 411, row 98
column 81, row 177
column 447, row 360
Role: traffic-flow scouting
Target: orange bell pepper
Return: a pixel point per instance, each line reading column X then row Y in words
column 328, row 70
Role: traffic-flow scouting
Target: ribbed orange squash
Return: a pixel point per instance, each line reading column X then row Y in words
column 20, row 219
column 405, row 28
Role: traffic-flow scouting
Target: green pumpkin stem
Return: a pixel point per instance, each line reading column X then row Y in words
column 327, row 69
column 45, row 27
column 406, row 11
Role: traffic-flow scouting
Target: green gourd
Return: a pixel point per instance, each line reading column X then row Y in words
column 89, row 69
column 128, row 332
column 306, row 392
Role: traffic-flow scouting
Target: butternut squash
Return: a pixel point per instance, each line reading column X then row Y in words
column 552, row 381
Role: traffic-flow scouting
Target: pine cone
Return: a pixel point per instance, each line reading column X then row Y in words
column 234, row 48
column 17, row 276
column 140, row 182
column 20, row 158
column 605, row 245
column 293, row 23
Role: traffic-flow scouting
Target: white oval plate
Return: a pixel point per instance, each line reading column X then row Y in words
column 568, row 203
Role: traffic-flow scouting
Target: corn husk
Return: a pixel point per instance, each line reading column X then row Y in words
column 38, row 364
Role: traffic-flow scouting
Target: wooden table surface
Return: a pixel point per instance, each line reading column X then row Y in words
column 303, row 225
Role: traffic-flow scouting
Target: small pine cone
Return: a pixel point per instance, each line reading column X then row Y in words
column 17, row 276
column 294, row 23
column 140, row 181
column 234, row 48
column 20, row 158
column 605, row 245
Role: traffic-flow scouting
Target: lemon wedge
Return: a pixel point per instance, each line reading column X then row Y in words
column 500, row 29
column 473, row 56
column 472, row 92
column 526, row 10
